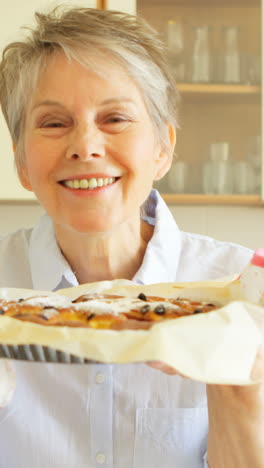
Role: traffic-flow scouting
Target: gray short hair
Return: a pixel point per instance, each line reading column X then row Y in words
column 78, row 32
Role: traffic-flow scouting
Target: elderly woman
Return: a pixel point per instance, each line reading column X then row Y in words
column 91, row 109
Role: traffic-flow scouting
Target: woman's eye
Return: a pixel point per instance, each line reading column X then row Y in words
column 53, row 125
column 117, row 119
column 115, row 123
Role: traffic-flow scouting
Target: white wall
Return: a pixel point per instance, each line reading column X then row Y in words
column 127, row 6
column 243, row 225
column 13, row 15
column 240, row 224
column 18, row 215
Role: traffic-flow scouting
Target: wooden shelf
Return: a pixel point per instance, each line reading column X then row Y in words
column 193, row 3
column 201, row 89
column 19, row 201
column 200, row 199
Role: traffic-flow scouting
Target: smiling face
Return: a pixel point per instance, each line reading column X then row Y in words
column 91, row 154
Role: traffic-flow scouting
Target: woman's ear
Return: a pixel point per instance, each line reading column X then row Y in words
column 24, row 179
column 166, row 154
column 172, row 137
column 22, row 172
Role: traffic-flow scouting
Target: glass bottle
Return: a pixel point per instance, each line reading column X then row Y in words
column 201, row 56
column 231, row 60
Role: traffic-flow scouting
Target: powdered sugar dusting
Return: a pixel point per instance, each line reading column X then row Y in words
column 118, row 306
column 49, row 301
column 49, row 313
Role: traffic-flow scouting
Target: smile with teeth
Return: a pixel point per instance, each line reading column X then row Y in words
column 89, row 183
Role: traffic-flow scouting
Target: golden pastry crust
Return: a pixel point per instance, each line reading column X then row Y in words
column 102, row 311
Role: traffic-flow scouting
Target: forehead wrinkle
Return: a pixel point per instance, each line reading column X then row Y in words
column 116, row 100
column 47, row 102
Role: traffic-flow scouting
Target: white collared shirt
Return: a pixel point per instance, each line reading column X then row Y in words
column 114, row 416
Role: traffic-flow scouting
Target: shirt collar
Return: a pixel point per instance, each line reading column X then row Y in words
column 51, row 271
column 162, row 255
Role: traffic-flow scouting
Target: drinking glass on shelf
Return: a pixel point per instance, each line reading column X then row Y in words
column 253, row 69
column 231, row 56
column 218, row 170
column 254, row 158
column 178, row 177
column 254, row 151
column 175, row 44
column 244, row 178
column 228, row 62
column 200, row 59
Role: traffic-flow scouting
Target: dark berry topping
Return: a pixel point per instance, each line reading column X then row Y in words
column 48, row 307
column 197, row 311
column 90, row 316
column 20, row 300
column 160, row 309
column 1, row 311
column 44, row 317
column 142, row 297
column 145, row 309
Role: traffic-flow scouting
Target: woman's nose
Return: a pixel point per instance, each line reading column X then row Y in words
column 86, row 142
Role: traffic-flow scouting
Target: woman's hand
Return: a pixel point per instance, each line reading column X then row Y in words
column 164, row 368
column 236, row 419
column 236, row 422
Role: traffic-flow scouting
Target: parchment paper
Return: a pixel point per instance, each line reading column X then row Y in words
column 217, row 347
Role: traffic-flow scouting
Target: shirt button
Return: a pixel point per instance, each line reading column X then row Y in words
column 100, row 378
column 100, row 458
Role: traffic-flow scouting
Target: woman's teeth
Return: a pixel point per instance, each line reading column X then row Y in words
column 89, row 183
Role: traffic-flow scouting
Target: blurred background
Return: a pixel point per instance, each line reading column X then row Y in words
column 215, row 185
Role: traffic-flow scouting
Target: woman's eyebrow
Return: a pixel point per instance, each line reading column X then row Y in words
column 47, row 102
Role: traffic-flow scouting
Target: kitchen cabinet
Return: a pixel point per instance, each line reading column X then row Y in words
column 218, row 104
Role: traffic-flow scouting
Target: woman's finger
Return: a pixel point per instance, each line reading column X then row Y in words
column 163, row 367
